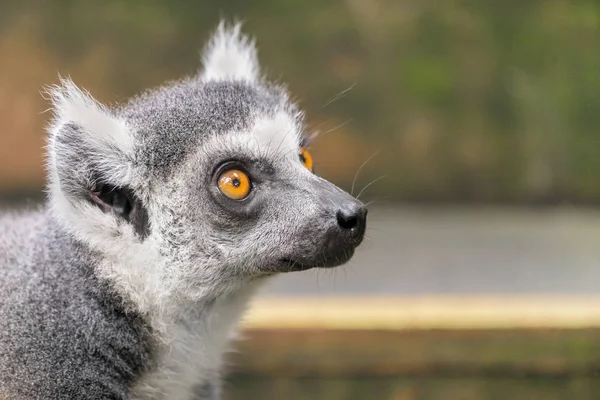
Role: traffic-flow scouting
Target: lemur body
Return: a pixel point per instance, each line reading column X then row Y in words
column 164, row 216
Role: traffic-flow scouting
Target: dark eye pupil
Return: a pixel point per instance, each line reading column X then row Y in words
column 236, row 182
column 302, row 159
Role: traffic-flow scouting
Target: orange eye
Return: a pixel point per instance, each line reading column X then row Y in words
column 234, row 184
column 306, row 159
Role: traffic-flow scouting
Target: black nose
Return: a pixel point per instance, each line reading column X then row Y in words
column 353, row 218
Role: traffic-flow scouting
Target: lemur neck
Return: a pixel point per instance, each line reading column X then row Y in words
column 192, row 344
column 158, row 289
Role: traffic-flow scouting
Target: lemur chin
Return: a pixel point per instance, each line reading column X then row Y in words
column 164, row 215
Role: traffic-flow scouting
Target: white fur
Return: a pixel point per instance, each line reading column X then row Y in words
column 193, row 347
column 230, row 55
column 134, row 267
column 279, row 134
column 73, row 105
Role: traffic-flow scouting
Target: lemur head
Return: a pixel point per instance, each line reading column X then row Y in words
column 202, row 183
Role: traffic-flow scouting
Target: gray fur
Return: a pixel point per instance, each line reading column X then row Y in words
column 166, row 134
column 128, row 284
column 63, row 333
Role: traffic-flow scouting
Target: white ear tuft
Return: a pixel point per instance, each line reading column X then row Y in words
column 75, row 106
column 230, row 55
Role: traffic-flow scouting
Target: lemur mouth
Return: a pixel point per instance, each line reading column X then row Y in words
column 292, row 265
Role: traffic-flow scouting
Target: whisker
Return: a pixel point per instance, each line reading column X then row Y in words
column 318, row 275
column 359, row 169
column 316, row 128
column 370, row 183
column 376, row 200
column 276, row 153
column 319, row 134
column 311, row 137
column 337, row 96
column 345, row 275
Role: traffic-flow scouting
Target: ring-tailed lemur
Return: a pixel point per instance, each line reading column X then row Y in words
column 164, row 216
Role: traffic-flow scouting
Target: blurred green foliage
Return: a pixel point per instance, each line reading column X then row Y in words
column 465, row 100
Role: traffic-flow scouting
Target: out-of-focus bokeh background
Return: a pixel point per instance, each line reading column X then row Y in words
column 476, row 124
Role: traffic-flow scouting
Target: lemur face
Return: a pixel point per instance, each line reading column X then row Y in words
column 209, row 176
column 253, row 193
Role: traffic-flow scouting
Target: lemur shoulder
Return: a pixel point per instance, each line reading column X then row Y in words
column 164, row 215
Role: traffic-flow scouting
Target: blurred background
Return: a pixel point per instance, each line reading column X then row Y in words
column 470, row 127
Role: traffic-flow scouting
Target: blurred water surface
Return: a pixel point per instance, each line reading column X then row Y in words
column 425, row 250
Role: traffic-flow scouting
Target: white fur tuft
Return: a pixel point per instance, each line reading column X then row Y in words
column 279, row 134
column 230, row 55
column 76, row 106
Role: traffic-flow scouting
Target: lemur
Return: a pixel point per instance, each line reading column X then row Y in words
column 164, row 215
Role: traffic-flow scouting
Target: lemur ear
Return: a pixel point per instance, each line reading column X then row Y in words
column 90, row 151
column 230, row 55
column 100, row 128
column 86, row 138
